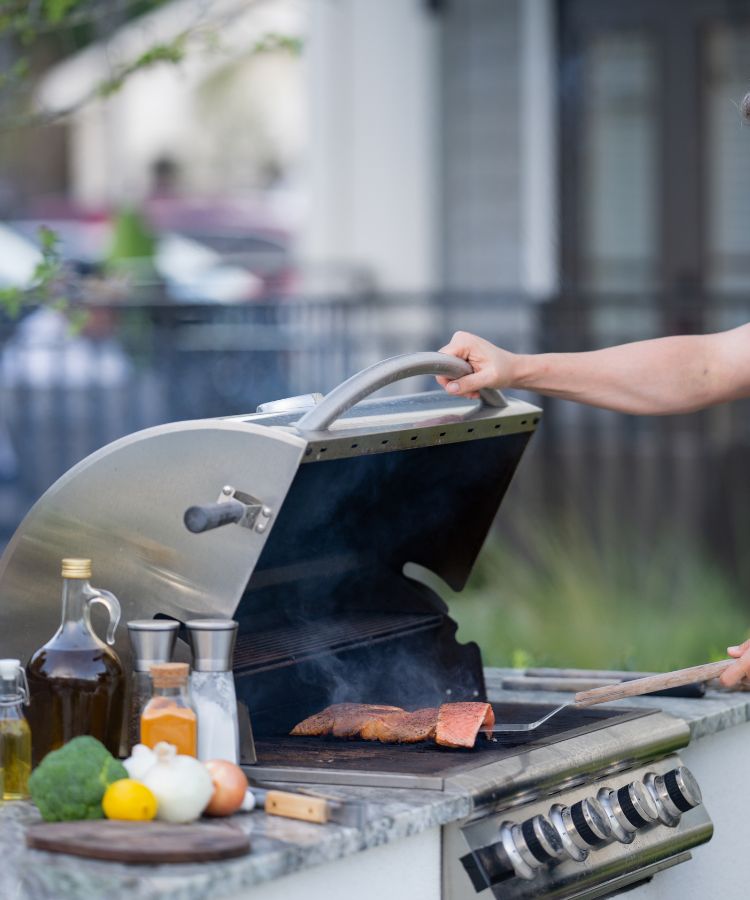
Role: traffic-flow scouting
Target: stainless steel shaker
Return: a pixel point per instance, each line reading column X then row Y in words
column 213, row 693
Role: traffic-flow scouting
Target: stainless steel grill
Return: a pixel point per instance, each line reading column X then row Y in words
column 309, row 523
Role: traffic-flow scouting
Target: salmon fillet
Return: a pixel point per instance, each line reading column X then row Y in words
column 453, row 725
column 401, row 728
column 458, row 724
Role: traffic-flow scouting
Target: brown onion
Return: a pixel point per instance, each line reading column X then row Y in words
column 230, row 786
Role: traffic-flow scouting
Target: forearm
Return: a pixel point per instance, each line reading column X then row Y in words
column 666, row 375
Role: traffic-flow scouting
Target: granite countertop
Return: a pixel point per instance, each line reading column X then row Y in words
column 282, row 846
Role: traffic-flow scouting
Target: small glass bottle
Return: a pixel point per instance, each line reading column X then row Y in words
column 15, row 734
column 152, row 642
column 76, row 681
column 169, row 715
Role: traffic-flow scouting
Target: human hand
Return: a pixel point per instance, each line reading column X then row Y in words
column 739, row 670
column 493, row 367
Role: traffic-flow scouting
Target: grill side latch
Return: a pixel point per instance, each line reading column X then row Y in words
column 232, row 508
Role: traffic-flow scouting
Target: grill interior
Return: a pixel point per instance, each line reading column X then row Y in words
column 329, row 615
column 298, row 642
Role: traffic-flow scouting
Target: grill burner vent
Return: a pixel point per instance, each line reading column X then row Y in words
column 292, row 644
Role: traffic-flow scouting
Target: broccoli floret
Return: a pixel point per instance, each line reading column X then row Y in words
column 69, row 783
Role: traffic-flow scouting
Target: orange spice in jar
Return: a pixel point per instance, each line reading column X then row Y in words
column 169, row 716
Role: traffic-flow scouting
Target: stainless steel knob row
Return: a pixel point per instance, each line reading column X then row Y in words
column 615, row 814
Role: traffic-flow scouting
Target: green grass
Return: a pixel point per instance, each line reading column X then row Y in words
column 568, row 599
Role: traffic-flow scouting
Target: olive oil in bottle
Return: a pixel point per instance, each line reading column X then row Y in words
column 15, row 734
column 76, row 681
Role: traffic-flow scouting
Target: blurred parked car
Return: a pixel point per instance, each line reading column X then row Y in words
column 204, row 252
column 241, row 234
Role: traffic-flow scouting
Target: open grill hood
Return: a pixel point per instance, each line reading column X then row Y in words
column 349, row 494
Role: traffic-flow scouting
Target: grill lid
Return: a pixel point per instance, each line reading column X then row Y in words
column 325, row 507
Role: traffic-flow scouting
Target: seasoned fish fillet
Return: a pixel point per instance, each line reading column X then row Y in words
column 453, row 725
column 341, row 720
column 401, row 728
column 321, row 723
column 349, row 722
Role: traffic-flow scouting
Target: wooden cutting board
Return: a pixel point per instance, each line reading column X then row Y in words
column 139, row 842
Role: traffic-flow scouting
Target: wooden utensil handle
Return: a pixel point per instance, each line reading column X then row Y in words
column 651, row 683
column 297, row 806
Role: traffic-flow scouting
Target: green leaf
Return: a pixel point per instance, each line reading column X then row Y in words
column 48, row 239
column 56, row 10
column 11, row 300
column 77, row 320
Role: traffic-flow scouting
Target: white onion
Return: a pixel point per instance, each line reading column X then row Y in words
column 181, row 784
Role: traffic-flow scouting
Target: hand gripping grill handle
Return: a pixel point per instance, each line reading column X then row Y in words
column 371, row 379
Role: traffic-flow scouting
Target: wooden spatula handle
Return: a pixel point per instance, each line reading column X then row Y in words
column 651, row 683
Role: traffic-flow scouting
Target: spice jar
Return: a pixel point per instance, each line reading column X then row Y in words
column 152, row 642
column 169, row 715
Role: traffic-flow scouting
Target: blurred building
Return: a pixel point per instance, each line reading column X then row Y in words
column 523, row 146
column 226, row 121
column 533, row 145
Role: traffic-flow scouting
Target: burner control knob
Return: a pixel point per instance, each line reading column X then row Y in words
column 629, row 808
column 676, row 792
column 530, row 846
column 582, row 826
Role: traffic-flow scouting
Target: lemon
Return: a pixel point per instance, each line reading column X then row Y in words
column 129, row 799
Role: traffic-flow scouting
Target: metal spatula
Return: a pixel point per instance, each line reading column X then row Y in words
column 634, row 688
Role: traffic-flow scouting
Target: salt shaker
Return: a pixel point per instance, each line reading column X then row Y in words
column 212, row 687
column 152, row 641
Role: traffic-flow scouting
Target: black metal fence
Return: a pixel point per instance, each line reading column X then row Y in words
column 63, row 395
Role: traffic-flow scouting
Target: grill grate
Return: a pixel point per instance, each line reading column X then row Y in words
column 287, row 646
column 311, row 759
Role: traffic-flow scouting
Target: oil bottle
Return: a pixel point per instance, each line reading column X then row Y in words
column 76, row 681
column 15, row 734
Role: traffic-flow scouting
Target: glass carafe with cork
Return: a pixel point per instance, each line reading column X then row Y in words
column 76, row 681
column 169, row 715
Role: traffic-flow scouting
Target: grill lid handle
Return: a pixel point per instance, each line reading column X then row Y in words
column 371, row 379
column 213, row 515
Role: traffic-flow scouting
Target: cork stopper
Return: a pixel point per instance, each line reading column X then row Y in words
column 76, row 568
column 166, row 675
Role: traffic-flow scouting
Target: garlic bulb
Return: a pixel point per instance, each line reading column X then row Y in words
column 182, row 785
column 140, row 761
